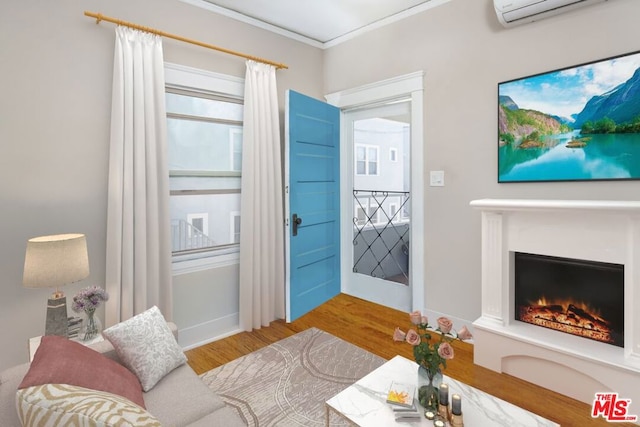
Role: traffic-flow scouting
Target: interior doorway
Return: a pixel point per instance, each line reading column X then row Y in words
column 382, row 192
column 381, row 199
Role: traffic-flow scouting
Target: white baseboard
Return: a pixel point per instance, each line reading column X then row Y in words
column 213, row 330
column 458, row 323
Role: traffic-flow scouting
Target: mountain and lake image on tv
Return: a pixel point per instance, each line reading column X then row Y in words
column 573, row 124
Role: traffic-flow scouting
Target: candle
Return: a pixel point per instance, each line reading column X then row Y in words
column 456, row 405
column 438, row 423
column 444, row 394
column 430, row 415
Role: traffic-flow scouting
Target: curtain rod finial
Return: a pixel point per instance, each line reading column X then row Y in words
column 98, row 16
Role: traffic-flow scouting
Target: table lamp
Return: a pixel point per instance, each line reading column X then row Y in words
column 51, row 262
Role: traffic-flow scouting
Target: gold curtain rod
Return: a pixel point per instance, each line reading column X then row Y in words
column 99, row 17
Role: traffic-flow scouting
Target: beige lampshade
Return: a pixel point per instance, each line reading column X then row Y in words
column 53, row 261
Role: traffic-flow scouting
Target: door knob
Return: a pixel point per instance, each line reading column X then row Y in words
column 296, row 221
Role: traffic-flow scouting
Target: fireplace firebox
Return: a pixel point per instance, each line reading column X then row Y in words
column 579, row 297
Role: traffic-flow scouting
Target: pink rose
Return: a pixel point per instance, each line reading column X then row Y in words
column 444, row 325
column 416, row 317
column 424, row 320
column 445, row 351
column 413, row 338
column 464, row 334
column 398, row 335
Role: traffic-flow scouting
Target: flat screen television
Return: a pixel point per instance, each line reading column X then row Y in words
column 578, row 123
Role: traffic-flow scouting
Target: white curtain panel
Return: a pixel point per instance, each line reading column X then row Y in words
column 262, row 222
column 138, row 270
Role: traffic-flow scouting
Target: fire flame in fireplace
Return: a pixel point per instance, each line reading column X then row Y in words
column 573, row 317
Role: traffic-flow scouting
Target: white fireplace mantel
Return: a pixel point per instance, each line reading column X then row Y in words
column 605, row 231
column 505, row 205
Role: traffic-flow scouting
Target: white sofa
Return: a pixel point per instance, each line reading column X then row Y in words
column 178, row 399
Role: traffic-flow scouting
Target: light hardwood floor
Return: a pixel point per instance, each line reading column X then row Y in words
column 370, row 326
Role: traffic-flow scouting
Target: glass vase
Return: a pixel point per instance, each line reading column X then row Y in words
column 91, row 326
column 428, row 382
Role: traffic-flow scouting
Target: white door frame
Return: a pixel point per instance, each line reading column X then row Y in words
column 409, row 86
column 362, row 285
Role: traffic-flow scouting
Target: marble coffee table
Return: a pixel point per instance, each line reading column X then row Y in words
column 364, row 403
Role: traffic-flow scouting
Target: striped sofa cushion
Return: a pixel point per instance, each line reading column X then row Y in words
column 51, row 405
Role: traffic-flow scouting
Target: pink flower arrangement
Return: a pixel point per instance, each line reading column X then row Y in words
column 88, row 299
column 431, row 355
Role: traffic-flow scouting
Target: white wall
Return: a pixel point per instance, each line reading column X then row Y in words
column 205, row 304
column 465, row 52
column 54, row 131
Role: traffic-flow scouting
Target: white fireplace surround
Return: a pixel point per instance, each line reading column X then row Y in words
column 606, row 231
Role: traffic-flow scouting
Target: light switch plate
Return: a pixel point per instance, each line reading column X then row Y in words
column 436, row 178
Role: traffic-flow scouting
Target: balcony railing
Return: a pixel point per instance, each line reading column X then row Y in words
column 186, row 237
column 381, row 234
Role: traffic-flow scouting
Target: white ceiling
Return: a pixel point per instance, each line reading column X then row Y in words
column 318, row 22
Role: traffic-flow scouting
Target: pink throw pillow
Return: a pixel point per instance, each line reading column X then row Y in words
column 62, row 361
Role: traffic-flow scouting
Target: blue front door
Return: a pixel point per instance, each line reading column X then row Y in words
column 313, row 227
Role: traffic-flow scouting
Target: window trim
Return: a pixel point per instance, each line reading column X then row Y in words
column 183, row 77
column 367, row 147
column 193, row 262
column 189, row 79
column 205, row 222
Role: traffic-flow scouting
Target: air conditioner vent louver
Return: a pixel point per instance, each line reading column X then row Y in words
column 516, row 12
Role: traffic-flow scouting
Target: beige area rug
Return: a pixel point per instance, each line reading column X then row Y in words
column 288, row 382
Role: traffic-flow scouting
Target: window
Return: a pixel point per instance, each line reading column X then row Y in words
column 235, row 230
column 361, row 218
column 199, row 223
column 366, row 159
column 205, row 151
column 393, row 212
column 235, row 148
column 406, row 209
column 367, row 212
column 393, row 154
column 373, row 212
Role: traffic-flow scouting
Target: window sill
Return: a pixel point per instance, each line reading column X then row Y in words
column 191, row 263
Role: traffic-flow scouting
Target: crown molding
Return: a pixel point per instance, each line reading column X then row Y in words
column 309, row 41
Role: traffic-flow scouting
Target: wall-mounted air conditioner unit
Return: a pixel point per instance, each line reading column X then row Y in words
column 516, row 12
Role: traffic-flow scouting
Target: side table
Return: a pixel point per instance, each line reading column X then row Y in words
column 34, row 343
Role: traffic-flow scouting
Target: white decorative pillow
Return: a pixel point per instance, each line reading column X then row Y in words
column 146, row 346
column 52, row 405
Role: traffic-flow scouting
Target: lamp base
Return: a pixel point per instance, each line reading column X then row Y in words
column 57, row 320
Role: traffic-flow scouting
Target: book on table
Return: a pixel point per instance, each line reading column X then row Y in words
column 401, row 395
column 407, row 417
column 74, row 324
